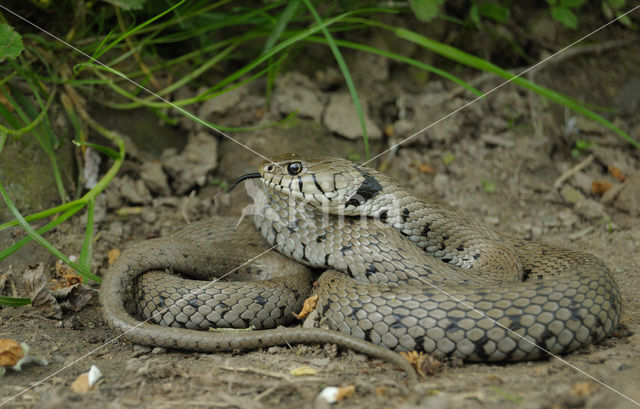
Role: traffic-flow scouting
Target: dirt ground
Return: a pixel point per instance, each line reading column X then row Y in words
column 500, row 160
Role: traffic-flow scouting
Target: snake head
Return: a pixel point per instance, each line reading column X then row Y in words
column 323, row 182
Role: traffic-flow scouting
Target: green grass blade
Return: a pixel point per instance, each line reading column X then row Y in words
column 42, row 230
column 281, row 25
column 403, row 59
column 44, row 135
column 285, row 44
column 135, row 29
column 86, row 273
column 112, row 153
column 87, row 245
column 478, row 63
column 46, row 213
column 345, row 73
column 14, row 302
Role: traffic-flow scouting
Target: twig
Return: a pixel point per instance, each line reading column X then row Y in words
column 258, row 371
column 566, row 175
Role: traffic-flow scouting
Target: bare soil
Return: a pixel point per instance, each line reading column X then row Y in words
column 498, row 160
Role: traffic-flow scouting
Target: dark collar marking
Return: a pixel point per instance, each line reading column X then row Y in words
column 367, row 190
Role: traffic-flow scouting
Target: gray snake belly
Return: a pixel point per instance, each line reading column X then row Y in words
column 403, row 274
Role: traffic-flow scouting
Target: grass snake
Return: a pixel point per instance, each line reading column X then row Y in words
column 401, row 274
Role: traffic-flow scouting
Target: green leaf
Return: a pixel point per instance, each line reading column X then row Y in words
column 127, row 4
column 448, row 158
column 624, row 20
column 112, row 153
column 494, row 11
column 616, row 4
column 565, row 16
column 572, row 4
column 425, row 10
column 14, row 302
column 488, row 186
column 606, row 10
column 10, row 42
column 283, row 21
column 584, row 144
column 474, row 14
column 86, row 273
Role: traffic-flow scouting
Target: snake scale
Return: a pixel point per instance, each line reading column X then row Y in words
column 401, row 274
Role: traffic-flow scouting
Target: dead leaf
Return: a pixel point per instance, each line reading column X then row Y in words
column 600, row 187
column 62, row 268
column 425, row 365
column 36, row 286
column 3, row 280
column 584, row 388
column 73, row 298
column 345, row 392
column 129, row 210
column 10, row 352
column 85, row 382
column 333, row 394
column 260, row 113
column 81, row 384
column 309, row 305
column 616, row 173
column 4, row 101
column 72, row 279
column 389, row 130
column 426, row 169
column 303, row 371
column 381, row 390
column 113, row 255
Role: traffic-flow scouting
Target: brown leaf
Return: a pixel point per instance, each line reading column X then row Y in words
column 599, row 187
column 344, row 392
column 73, row 298
column 309, row 305
column 81, row 384
column 10, row 352
column 584, row 388
column 333, row 394
column 63, row 269
column 424, row 364
column 426, row 169
column 617, row 173
column 36, row 286
column 390, row 130
column 113, row 255
column 381, row 390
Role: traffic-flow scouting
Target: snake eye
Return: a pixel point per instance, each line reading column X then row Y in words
column 270, row 168
column 294, row 168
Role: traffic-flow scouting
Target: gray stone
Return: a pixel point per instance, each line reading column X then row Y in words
column 340, row 117
column 295, row 91
column 222, row 103
column 590, row 209
column 628, row 199
column 153, row 175
column 191, row 166
column 134, row 191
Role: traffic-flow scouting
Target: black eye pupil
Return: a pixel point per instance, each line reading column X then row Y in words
column 294, row 168
column 270, row 168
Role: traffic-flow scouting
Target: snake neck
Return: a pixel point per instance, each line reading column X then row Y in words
column 438, row 229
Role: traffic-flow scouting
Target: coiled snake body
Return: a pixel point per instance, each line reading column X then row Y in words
column 403, row 274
